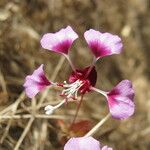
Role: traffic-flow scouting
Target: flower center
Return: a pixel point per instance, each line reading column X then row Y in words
column 86, row 76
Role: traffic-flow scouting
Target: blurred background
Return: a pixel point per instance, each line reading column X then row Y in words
column 23, row 22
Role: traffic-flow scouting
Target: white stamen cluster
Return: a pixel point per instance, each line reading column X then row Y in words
column 71, row 90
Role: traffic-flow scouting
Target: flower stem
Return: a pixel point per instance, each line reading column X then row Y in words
column 98, row 125
column 77, row 111
column 89, row 70
column 70, row 62
column 94, row 61
column 91, row 67
column 99, row 91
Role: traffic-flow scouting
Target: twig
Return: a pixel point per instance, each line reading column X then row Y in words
column 27, row 116
column 24, row 133
column 9, row 108
column 3, row 83
column 58, row 67
column 14, row 108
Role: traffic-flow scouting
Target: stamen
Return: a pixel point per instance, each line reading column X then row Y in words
column 72, row 89
column 50, row 109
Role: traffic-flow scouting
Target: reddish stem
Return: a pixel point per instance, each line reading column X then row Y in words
column 88, row 72
column 91, row 67
column 77, row 111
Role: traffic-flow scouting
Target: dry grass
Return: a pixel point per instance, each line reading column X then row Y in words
column 23, row 124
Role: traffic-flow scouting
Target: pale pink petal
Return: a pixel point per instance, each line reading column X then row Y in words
column 60, row 41
column 124, row 88
column 103, row 44
column 36, row 82
column 82, row 143
column 106, row 148
column 120, row 100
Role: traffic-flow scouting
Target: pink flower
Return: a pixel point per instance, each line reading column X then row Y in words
column 36, row 82
column 60, row 41
column 82, row 81
column 103, row 44
column 84, row 143
column 120, row 100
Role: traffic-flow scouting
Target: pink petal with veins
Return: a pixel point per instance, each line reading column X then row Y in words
column 120, row 100
column 103, row 44
column 36, row 82
column 60, row 41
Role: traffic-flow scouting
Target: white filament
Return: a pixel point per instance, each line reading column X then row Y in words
column 72, row 89
column 49, row 109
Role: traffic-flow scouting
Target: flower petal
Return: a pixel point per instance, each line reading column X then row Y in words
column 36, row 82
column 103, row 44
column 121, row 109
column 60, row 41
column 120, row 100
column 124, row 88
column 82, row 143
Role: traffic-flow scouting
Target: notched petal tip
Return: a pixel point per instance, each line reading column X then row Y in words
column 103, row 44
column 60, row 41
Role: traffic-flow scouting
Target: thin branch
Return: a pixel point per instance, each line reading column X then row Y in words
column 3, row 83
column 14, row 108
column 24, row 133
column 10, row 107
column 27, row 116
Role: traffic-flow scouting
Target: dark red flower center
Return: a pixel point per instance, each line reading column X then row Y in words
column 88, row 76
